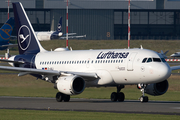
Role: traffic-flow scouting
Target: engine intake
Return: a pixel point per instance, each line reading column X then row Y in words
column 71, row 85
column 157, row 88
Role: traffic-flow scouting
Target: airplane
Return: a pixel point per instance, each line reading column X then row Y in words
column 72, row 71
column 176, row 54
column 50, row 35
column 5, row 34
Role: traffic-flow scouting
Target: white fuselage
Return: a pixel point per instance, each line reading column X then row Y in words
column 113, row 66
column 45, row 36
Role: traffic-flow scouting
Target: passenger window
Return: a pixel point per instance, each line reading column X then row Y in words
column 144, row 60
column 149, row 60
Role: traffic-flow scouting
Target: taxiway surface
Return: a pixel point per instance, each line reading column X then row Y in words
column 94, row 105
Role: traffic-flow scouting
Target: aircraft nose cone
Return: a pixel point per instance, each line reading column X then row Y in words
column 164, row 71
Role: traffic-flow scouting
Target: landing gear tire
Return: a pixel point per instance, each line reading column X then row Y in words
column 120, row 97
column 62, row 97
column 66, row 98
column 143, row 99
column 59, row 97
column 114, row 97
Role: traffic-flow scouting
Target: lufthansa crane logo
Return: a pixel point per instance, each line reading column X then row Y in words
column 59, row 27
column 24, row 37
column 5, row 34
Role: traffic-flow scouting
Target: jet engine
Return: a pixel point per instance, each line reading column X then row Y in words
column 157, row 88
column 71, row 84
column 60, row 34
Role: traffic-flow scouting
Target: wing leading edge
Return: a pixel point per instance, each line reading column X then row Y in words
column 24, row 71
column 175, row 67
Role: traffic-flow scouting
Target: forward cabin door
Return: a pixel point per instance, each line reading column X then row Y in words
column 130, row 61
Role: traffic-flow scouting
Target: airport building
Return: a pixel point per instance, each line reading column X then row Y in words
column 104, row 19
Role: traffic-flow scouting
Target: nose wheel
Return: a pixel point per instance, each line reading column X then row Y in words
column 118, row 96
column 143, row 98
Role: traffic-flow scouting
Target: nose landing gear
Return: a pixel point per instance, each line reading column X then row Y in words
column 143, row 98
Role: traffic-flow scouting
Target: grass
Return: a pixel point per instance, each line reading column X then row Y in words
column 72, row 115
column 28, row 86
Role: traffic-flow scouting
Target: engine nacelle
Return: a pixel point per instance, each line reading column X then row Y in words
column 157, row 88
column 71, row 85
column 60, row 34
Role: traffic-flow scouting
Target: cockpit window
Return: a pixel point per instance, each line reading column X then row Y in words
column 156, row 59
column 144, row 60
column 163, row 59
column 149, row 60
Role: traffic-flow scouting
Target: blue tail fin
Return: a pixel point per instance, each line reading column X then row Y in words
column 6, row 30
column 27, row 40
column 59, row 26
column 58, row 31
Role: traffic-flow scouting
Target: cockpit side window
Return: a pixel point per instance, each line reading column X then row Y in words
column 156, row 59
column 163, row 59
column 149, row 60
column 144, row 60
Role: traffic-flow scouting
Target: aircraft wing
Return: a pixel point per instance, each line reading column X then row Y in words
column 10, row 45
column 81, row 36
column 30, row 70
column 175, row 67
column 24, row 71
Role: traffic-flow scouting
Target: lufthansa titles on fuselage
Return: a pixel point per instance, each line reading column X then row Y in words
column 112, row 55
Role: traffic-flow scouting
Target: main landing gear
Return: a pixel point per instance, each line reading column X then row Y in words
column 143, row 98
column 62, row 97
column 118, row 96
